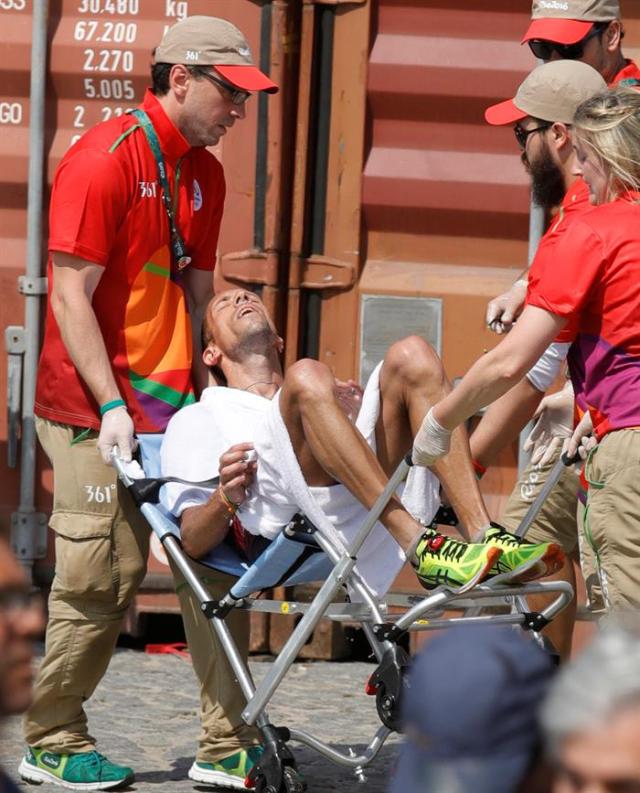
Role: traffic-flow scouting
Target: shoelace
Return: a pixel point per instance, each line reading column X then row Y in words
column 97, row 759
column 448, row 549
column 505, row 536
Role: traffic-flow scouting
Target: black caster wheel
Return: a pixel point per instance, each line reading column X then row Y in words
column 292, row 782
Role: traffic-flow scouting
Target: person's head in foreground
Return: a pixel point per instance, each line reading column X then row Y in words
column 470, row 715
column 204, row 72
column 579, row 30
column 607, row 143
column 21, row 623
column 542, row 112
column 591, row 718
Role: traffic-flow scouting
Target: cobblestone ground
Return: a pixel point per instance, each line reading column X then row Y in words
column 145, row 714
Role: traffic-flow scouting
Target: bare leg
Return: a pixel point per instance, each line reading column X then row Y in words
column 329, row 448
column 503, row 421
column 411, row 381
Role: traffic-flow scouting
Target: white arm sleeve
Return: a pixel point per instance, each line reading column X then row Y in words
column 547, row 367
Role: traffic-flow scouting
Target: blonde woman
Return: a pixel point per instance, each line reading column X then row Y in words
column 593, row 279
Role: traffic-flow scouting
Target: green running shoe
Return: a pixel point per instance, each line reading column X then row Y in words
column 521, row 561
column 82, row 771
column 443, row 561
column 230, row 772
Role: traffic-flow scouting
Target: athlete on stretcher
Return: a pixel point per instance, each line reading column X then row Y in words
column 273, row 437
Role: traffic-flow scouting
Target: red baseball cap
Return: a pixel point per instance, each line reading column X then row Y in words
column 211, row 41
column 562, row 31
column 551, row 92
column 247, row 78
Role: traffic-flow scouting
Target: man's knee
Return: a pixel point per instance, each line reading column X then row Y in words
column 308, row 379
column 412, row 360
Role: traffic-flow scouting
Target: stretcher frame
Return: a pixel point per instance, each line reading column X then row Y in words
column 276, row 772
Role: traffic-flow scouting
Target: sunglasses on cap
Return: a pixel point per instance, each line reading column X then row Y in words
column 544, row 49
column 522, row 134
column 238, row 97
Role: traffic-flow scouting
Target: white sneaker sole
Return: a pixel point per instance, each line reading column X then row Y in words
column 218, row 778
column 36, row 775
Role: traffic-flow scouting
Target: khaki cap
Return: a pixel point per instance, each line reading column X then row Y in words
column 552, row 92
column 211, row 41
column 568, row 21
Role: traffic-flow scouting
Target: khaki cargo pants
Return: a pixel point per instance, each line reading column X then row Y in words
column 102, row 544
column 557, row 519
column 611, row 522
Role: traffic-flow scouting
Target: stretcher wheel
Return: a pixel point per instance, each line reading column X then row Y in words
column 292, row 782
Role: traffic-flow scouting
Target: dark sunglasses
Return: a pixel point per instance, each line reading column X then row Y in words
column 522, row 134
column 238, row 97
column 544, row 49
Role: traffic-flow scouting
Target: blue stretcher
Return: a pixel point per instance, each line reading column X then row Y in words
column 300, row 554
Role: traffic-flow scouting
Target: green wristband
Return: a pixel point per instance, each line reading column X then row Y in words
column 115, row 403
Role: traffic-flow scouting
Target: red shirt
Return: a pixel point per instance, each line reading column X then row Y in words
column 595, row 282
column 106, row 208
column 574, row 203
column 628, row 76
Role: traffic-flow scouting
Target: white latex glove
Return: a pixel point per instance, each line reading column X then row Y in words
column 554, row 424
column 116, row 430
column 431, row 442
column 582, row 440
column 503, row 310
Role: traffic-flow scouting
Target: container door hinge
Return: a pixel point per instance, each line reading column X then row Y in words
column 252, row 266
column 32, row 286
column 322, row 272
column 29, row 535
column 14, row 342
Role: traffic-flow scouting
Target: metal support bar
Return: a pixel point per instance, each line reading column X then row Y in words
column 350, row 761
column 173, row 549
column 30, row 548
column 14, row 343
column 564, row 590
column 297, row 639
column 32, row 286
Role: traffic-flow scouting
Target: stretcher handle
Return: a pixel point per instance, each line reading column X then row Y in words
column 567, row 460
column 562, row 463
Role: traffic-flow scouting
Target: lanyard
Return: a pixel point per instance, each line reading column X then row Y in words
column 177, row 243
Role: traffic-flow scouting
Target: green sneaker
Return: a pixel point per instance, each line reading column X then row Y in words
column 521, row 561
column 443, row 561
column 82, row 771
column 230, row 772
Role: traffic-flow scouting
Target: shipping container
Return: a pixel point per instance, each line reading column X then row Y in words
column 366, row 200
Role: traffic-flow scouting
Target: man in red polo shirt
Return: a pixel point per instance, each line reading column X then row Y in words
column 541, row 113
column 590, row 31
column 134, row 220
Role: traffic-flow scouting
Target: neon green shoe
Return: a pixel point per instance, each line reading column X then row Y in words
column 82, row 771
column 521, row 561
column 443, row 561
column 230, row 772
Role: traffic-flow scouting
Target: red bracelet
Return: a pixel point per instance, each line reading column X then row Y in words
column 231, row 507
